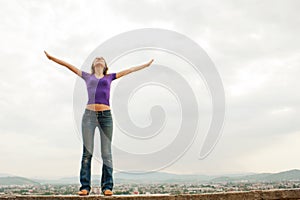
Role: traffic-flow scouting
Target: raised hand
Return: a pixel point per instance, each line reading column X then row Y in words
column 149, row 63
column 48, row 56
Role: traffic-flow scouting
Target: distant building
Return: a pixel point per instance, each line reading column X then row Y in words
column 135, row 191
column 96, row 190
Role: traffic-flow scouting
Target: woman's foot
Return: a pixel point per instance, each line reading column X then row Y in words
column 107, row 193
column 83, row 192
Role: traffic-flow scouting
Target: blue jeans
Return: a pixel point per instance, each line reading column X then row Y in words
column 91, row 120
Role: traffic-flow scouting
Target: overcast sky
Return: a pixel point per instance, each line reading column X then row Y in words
column 254, row 44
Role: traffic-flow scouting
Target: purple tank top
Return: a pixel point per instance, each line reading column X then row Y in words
column 98, row 89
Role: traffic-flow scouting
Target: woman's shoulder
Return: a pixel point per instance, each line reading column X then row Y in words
column 85, row 74
column 112, row 75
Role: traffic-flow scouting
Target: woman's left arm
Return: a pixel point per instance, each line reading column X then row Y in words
column 133, row 69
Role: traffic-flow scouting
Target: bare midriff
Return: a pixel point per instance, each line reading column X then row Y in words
column 97, row 107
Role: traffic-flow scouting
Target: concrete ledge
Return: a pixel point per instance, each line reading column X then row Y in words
column 256, row 194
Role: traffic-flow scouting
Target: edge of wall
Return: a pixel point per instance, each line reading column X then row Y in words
column 254, row 194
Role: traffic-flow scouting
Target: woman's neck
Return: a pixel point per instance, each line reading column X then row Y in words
column 99, row 72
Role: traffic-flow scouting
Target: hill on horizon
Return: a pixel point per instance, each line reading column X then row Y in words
column 162, row 177
column 290, row 175
column 17, row 180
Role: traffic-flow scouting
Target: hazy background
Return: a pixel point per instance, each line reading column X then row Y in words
column 255, row 46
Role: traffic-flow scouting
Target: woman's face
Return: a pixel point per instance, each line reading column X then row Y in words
column 99, row 62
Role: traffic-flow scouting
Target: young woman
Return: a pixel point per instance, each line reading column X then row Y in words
column 97, row 114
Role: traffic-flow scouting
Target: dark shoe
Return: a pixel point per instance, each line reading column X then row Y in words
column 107, row 193
column 83, row 192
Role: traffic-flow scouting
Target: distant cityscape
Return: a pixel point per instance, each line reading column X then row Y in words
column 154, row 183
column 147, row 189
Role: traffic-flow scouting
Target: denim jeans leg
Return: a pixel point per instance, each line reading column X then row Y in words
column 106, row 132
column 88, row 131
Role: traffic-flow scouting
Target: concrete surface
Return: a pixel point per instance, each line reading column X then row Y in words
column 291, row 194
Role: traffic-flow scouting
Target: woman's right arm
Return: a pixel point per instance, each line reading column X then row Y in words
column 63, row 63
